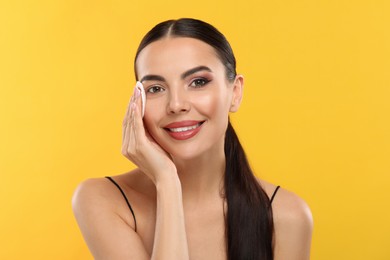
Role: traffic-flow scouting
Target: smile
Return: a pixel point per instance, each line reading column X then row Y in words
column 183, row 130
column 186, row 128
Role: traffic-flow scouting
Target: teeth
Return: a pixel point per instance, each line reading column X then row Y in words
column 186, row 128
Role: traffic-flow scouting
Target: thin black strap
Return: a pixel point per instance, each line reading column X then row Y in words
column 273, row 195
column 124, row 196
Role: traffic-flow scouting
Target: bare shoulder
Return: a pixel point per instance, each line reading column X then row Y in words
column 90, row 193
column 93, row 197
column 293, row 223
column 291, row 211
column 100, row 194
column 287, row 206
column 104, row 220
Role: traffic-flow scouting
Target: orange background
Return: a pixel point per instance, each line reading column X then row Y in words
column 315, row 115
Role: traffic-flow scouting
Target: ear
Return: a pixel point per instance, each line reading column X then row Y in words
column 238, row 87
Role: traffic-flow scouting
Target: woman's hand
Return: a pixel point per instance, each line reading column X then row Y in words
column 140, row 148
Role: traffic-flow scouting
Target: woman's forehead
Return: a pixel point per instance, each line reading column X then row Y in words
column 176, row 53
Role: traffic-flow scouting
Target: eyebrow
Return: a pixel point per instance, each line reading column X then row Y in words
column 194, row 70
column 183, row 76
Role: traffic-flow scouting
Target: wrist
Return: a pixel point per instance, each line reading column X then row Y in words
column 168, row 181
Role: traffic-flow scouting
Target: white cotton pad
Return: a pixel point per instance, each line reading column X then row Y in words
column 143, row 96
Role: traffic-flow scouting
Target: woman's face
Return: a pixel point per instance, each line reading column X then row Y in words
column 188, row 97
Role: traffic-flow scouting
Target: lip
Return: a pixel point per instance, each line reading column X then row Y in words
column 184, row 134
column 182, row 124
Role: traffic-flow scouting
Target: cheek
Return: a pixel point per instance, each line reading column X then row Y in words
column 212, row 104
column 151, row 115
column 147, row 123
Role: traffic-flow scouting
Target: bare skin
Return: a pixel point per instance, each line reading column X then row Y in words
column 176, row 190
column 204, row 223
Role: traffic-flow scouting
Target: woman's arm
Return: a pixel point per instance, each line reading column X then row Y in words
column 107, row 234
column 293, row 227
column 170, row 241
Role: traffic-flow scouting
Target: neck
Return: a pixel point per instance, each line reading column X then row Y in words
column 202, row 177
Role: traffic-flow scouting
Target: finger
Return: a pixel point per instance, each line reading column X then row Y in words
column 126, row 134
column 131, row 141
column 127, row 130
column 138, row 123
column 132, row 131
column 125, row 121
column 127, row 117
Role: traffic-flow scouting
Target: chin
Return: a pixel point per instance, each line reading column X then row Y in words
column 186, row 154
column 193, row 149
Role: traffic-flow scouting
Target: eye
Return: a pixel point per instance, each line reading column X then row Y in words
column 155, row 89
column 198, row 83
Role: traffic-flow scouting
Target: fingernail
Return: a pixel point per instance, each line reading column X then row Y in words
column 137, row 92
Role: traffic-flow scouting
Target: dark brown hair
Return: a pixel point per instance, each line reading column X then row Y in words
column 248, row 224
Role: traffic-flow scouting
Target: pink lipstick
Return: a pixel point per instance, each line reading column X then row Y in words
column 184, row 130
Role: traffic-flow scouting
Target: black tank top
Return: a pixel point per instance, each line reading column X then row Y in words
column 127, row 201
column 131, row 209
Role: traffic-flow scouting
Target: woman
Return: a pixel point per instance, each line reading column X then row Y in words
column 193, row 195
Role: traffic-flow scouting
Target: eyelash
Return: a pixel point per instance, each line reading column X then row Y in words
column 153, row 90
column 149, row 90
column 202, row 79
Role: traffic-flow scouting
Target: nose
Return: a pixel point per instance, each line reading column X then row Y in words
column 178, row 102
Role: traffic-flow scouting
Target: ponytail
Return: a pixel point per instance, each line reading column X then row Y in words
column 249, row 225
